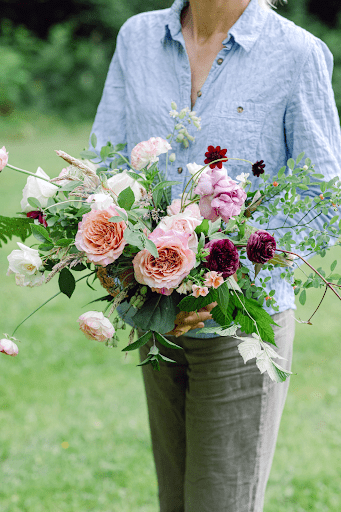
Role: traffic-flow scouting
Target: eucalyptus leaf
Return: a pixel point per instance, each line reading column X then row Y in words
column 138, row 343
column 165, row 342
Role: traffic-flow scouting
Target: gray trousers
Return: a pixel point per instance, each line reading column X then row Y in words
column 214, row 423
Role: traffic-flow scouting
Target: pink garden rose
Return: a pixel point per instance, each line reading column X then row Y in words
column 3, row 158
column 220, row 195
column 175, row 261
column 147, row 152
column 101, row 240
column 8, row 347
column 175, row 207
column 96, row 326
column 183, row 223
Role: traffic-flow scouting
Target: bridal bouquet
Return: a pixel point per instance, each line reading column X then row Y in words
column 159, row 259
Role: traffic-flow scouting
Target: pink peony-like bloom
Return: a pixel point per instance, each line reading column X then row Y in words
column 175, row 261
column 175, row 206
column 96, row 326
column 184, row 223
column 220, row 195
column 147, row 152
column 101, row 240
column 199, row 291
column 213, row 278
column 3, row 158
column 8, row 347
column 261, row 247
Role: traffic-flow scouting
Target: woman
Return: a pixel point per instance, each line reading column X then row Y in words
column 261, row 86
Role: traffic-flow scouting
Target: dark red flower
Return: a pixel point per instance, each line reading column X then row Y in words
column 258, row 168
column 215, row 154
column 223, row 257
column 260, row 247
column 38, row 215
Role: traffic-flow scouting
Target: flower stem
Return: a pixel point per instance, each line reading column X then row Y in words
column 31, row 174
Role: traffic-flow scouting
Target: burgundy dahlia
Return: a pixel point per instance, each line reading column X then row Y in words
column 215, row 154
column 37, row 215
column 223, row 257
column 258, row 168
column 260, row 247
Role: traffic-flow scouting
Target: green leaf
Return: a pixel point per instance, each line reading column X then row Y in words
column 158, row 313
column 134, row 238
column 68, row 187
column 303, row 187
column 281, row 171
column 303, row 297
column 64, row 242
column 35, row 203
column 119, row 147
column 202, row 228
column 317, row 175
column 164, row 184
column 151, row 247
column 291, row 163
column 93, row 140
column 146, row 361
column 89, row 155
column 191, row 303
column 66, row 281
column 323, row 186
column 223, row 293
column 138, row 343
column 299, row 158
column 45, row 247
column 333, row 265
column 116, row 218
column 165, row 342
column 258, row 314
column 165, row 358
column 334, row 219
column 40, row 233
column 126, row 198
column 14, row 226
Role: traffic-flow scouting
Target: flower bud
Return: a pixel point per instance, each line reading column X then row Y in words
column 305, row 167
column 185, row 143
column 174, row 105
column 179, row 126
column 172, row 157
column 180, row 138
column 144, row 289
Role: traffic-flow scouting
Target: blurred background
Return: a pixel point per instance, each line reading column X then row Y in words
column 74, row 435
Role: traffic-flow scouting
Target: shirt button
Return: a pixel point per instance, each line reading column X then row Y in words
column 180, row 170
column 220, row 61
column 199, row 93
column 240, row 110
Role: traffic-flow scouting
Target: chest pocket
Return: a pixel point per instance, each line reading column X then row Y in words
column 237, row 126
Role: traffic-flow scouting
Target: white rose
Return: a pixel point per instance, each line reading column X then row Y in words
column 147, row 152
column 100, row 201
column 39, row 189
column 193, row 168
column 122, row 180
column 26, row 264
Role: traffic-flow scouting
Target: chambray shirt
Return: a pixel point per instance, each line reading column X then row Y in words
column 268, row 97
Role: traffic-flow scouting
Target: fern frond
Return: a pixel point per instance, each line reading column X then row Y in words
column 14, row 226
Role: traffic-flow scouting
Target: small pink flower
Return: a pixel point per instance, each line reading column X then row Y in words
column 96, row 326
column 213, row 278
column 199, row 291
column 3, row 158
column 147, row 152
column 8, row 347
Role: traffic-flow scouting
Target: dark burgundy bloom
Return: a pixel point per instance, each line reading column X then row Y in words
column 258, row 168
column 260, row 247
column 215, row 154
column 38, row 215
column 223, row 257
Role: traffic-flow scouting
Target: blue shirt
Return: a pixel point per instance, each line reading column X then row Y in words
column 277, row 72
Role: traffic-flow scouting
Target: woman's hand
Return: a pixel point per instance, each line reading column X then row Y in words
column 185, row 322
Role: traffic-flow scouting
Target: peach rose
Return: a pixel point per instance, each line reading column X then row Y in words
column 101, row 240
column 175, row 261
column 96, row 326
column 184, row 223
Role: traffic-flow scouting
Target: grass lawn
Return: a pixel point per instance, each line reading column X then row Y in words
column 74, row 433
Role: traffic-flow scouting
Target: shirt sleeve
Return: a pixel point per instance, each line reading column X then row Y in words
column 312, row 123
column 110, row 120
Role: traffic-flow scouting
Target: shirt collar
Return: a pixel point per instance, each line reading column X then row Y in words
column 245, row 31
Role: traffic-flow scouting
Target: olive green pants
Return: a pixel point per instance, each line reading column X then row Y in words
column 214, row 423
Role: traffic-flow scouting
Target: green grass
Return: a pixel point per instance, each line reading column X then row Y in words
column 74, row 433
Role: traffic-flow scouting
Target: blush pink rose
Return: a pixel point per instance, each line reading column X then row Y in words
column 175, row 207
column 96, row 326
column 147, row 152
column 101, row 240
column 3, row 158
column 220, row 195
column 175, row 261
column 8, row 347
column 183, row 223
